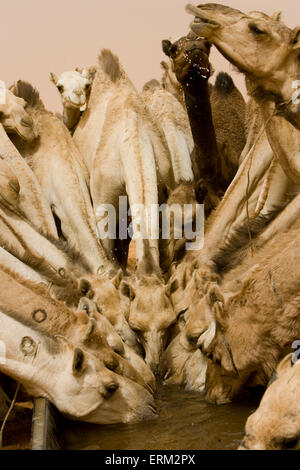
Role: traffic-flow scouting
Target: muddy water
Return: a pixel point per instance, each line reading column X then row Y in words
column 184, row 422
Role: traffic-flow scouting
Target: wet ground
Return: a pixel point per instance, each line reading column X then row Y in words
column 184, row 422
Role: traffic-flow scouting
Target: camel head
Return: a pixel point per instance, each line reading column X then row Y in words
column 151, row 315
column 200, row 327
column 111, row 304
column 74, row 87
column 260, row 46
column 14, row 117
column 275, row 425
column 90, row 391
column 189, row 56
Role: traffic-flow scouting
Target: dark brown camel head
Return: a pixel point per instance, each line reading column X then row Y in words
column 190, row 58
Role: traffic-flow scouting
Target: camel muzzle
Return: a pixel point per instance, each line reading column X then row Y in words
column 201, row 25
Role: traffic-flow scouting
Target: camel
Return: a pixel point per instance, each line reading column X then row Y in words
column 246, row 40
column 121, row 143
column 275, row 424
column 24, row 188
column 151, row 314
column 259, row 298
column 270, row 82
column 228, row 113
column 115, row 341
column 74, row 88
column 54, row 317
column 66, row 272
column 222, row 103
column 52, row 157
column 192, row 69
column 182, row 367
column 32, row 357
column 170, row 82
column 104, row 151
column 173, row 120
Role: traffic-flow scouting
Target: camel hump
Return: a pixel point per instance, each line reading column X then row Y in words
column 27, row 91
column 224, row 83
column 110, row 64
column 151, row 85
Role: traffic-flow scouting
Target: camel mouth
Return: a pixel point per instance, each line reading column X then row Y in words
column 200, row 17
column 201, row 25
column 71, row 104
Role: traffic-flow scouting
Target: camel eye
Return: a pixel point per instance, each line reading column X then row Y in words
column 60, row 88
column 87, row 86
column 256, row 30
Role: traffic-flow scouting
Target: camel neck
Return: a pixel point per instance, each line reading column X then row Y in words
column 71, row 117
column 198, row 106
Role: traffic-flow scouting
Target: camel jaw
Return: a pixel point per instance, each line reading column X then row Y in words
column 202, row 24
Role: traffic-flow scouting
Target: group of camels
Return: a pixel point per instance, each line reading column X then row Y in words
column 77, row 324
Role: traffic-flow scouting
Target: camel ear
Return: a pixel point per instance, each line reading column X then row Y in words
column 166, row 47
column 214, row 295
column 127, row 290
column 164, row 65
column 285, row 364
column 84, row 73
column 78, row 361
column 277, row 15
column 53, row 78
column 295, row 38
column 117, row 279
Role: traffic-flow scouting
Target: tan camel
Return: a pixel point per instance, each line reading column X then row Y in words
column 113, row 150
column 259, row 293
column 246, row 40
column 57, row 165
column 15, row 120
column 275, row 424
column 66, row 272
column 74, row 88
column 38, row 360
column 270, row 82
column 55, row 318
column 151, row 313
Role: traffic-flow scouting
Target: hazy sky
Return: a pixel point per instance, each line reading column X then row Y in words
column 39, row 36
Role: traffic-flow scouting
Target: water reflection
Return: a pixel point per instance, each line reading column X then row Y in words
column 185, row 421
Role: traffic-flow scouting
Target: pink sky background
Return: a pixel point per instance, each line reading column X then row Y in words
column 39, row 36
